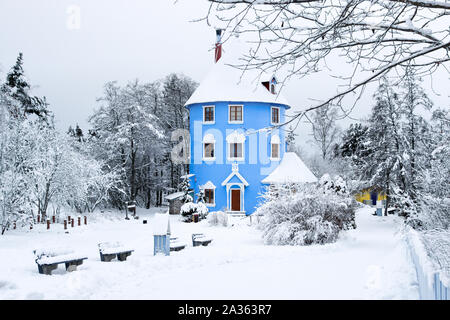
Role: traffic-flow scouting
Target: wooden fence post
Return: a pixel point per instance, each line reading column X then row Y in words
column 72, row 222
column 85, row 220
column 48, row 224
column 79, row 221
column 53, row 219
column 65, row 224
column 38, row 218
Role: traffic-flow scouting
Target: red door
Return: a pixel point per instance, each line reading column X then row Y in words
column 235, row 200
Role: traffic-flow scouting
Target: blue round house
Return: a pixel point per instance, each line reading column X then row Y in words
column 235, row 141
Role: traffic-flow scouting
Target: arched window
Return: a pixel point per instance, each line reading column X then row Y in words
column 208, row 147
column 209, row 193
column 235, row 145
column 275, row 147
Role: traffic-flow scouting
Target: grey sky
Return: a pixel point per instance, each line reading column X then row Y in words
column 123, row 40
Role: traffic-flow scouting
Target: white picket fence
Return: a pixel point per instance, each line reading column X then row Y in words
column 432, row 278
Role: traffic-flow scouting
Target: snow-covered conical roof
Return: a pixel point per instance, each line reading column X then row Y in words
column 225, row 82
column 290, row 170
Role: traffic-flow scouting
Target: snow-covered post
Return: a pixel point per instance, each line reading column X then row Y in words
column 72, row 222
column 379, row 208
column 48, row 224
column 79, row 221
column 65, row 224
column 85, row 220
column 161, row 234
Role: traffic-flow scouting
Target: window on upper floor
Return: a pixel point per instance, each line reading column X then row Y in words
column 208, row 114
column 235, row 114
column 236, row 150
column 208, row 147
column 275, row 115
column 275, row 148
column 235, row 145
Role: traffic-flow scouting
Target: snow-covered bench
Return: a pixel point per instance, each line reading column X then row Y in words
column 176, row 245
column 48, row 259
column 199, row 239
column 109, row 250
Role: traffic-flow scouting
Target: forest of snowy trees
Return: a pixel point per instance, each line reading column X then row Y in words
column 124, row 156
column 401, row 148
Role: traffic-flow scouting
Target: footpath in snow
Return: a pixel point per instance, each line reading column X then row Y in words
column 371, row 262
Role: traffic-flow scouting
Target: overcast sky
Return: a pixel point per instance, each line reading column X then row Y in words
column 127, row 39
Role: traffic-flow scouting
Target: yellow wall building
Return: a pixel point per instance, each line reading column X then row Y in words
column 370, row 196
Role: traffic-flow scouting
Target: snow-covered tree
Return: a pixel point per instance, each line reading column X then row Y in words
column 374, row 37
column 290, row 139
column 124, row 130
column 324, row 129
column 21, row 103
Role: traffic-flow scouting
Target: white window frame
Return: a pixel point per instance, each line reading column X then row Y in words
column 203, row 114
column 213, row 142
column 213, row 204
column 210, row 186
column 279, row 115
column 235, row 158
column 229, row 111
column 278, row 142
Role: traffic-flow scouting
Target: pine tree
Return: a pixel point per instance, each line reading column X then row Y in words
column 18, row 88
column 290, row 139
column 384, row 168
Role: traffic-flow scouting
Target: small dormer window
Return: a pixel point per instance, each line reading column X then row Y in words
column 273, row 83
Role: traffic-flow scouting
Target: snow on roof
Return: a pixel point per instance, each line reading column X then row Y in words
column 161, row 224
column 290, row 170
column 227, row 83
column 175, row 195
column 190, row 175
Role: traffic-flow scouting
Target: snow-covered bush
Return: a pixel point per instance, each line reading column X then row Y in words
column 218, row 218
column 307, row 214
column 189, row 209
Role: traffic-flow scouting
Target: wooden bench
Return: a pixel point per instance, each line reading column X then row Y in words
column 199, row 239
column 48, row 261
column 176, row 245
column 109, row 251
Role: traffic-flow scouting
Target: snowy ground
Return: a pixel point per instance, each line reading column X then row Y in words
column 371, row 262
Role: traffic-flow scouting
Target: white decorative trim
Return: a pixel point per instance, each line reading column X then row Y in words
column 208, row 185
column 236, row 122
column 235, row 172
column 236, row 137
column 203, row 115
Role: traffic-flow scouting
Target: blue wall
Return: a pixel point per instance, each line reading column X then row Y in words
column 256, row 165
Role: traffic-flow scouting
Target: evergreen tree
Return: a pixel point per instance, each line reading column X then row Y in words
column 290, row 139
column 18, row 89
column 383, row 168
